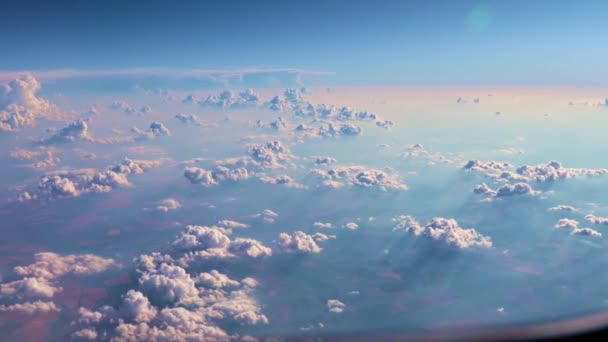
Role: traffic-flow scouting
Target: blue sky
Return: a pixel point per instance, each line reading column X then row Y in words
column 366, row 43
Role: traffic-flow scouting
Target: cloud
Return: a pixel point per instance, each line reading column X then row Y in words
column 197, row 175
column 322, row 225
column 505, row 190
column 281, row 180
column 267, row 215
column 168, row 205
column 19, row 105
column 562, row 207
column 336, row 306
column 31, row 307
column 75, row 131
column 215, row 279
column 324, row 160
column 542, row 173
column 566, row 223
column 29, row 287
column 188, row 119
column 351, row 225
column 232, row 224
column 40, row 279
column 168, row 284
column 596, row 219
column 298, row 242
column 204, row 243
column 444, row 230
column 586, row 232
column 359, row 176
column 43, row 158
column 73, row 183
column 386, row 124
column 227, row 100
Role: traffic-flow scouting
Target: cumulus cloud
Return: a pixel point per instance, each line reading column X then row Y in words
column 40, row 279
column 386, row 124
column 562, row 207
column 73, row 183
column 267, row 215
column 351, row 225
column 19, row 105
column 322, row 225
column 505, row 190
column 174, row 304
column 31, row 307
column 168, row 205
column 206, row 178
column 282, row 180
column 269, row 156
column 74, row 131
column 298, row 242
column 43, row 158
column 128, row 109
column 542, row 173
column 188, row 119
column 215, row 279
column 204, row 243
column 360, row 176
column 324, row 160
column 586, row 232
column 444, row 230
column 228, row 100
column 566, row 223
column 336, row 306
column 232, row 224
column 596, row 219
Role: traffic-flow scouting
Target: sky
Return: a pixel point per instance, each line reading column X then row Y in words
column 240, row 171
column 547, row 43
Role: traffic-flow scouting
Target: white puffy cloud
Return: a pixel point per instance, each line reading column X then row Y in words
column 586, row 232
column 204, row 243
column 267, row 215
column 298, row 242
column 73, row 183
column 351, row 225
column 562, row 207
column 227, row 100
column 74, row 131
column 322, row 225
column 206, row 178
column 324, row 160
column 29, row 287
column 596, row 219
column 159, row 129
column 444, row 230
column 542, row 173
column 19, row 105
column 566, row 223
column 188, row 119
column 232, row 224
column 168, row 204
column 281, row 180
column 360, row 176
column 40, row 279
column 386, row 124
column 505, row 190
column 31, row 307
column 336, row 306
column 215, row 279
column 168, row 284
column 43, row 158
column 50, row 265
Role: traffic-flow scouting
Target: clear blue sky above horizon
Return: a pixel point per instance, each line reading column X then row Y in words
column 363, row 42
